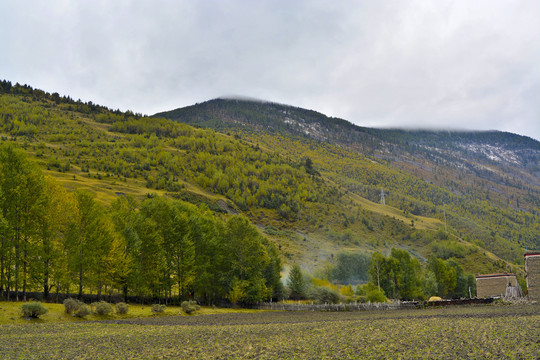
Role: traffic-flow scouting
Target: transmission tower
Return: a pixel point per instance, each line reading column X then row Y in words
column 383, row 202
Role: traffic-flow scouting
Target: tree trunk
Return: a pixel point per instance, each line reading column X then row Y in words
column 17, row 269
column 8, row 283
column 178, row 272
column 24, row 281
column 46, row 282
column 2, row 275
column 80, row 281
column 25, row 267
column 125, row 291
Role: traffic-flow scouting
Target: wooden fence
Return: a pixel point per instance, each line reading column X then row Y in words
column 394, row 305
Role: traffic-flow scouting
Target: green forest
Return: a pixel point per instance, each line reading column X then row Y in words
column 61, row 241
column 99, row 201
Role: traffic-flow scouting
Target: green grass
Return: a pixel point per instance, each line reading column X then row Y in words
column 420, row 222
column 481, row 332
column 10, row 313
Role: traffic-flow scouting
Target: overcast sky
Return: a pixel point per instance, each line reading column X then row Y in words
column 421, row 64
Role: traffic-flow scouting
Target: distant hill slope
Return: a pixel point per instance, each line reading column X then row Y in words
column 488, row 183
column 495, row 156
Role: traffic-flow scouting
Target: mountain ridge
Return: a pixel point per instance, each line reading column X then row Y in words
column 300, row 121
column 495, row 146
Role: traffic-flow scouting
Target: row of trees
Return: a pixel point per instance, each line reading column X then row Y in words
column 401, row 276
column 53, row 240
column 397, row 276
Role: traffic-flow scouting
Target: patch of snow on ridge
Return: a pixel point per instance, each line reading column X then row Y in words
column 492, row 152
column 288, row 120
column 314, row 130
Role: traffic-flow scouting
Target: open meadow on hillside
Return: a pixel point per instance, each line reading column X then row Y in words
column 479, row 332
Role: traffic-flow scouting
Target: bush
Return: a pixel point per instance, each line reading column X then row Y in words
column 323, row 295
column 190, row 306
column 376, row 296
column 346, row 290
column 102, row 308
column 372, row 293
column 33, row 309
column 158, row 308
column 361, row 299
column 72, row 305
column 122, row 308
column 82, row 311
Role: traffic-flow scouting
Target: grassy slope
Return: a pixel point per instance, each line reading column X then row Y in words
column 312, row 246
column 420, row 222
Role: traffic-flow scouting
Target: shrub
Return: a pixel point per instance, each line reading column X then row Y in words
column 190, row 306
column 158, row 308
column 361, row 299
column 102, row 308
column 323, row 295
column 72, row 305
column 82, row 311
column 33, row 309
column 376, row 296
column 354, row 299
column 122, row 308
column 346, row 290
column 372, row 293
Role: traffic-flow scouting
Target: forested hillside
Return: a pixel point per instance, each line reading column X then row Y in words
column 486, row 183
column 128, row 239
column 105, row 200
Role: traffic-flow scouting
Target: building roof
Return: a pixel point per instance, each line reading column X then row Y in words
column 484, row 276
column 532, row 253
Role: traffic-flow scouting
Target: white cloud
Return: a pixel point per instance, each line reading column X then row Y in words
column 460, row 64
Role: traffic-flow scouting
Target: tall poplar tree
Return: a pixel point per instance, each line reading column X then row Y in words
column 54, row 221
column 84, row 238
column 21, row 199
column 124, row 215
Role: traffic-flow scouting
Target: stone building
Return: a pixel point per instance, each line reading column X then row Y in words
column 532, row 270
column 494, row 285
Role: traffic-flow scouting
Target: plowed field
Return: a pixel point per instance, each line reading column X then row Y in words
column 480, row 332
